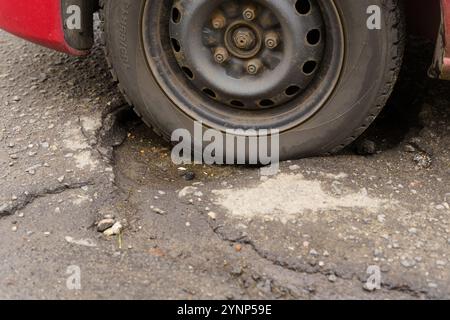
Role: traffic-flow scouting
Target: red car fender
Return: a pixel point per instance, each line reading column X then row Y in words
column 39, row 21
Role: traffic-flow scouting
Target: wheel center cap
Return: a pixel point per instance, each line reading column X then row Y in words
column 244, row 38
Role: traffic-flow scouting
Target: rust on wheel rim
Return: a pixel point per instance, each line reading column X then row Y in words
column 264, row 55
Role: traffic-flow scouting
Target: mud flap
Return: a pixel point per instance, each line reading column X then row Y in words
column 78, row 23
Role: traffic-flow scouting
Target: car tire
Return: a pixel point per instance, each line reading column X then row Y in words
column 360, row 67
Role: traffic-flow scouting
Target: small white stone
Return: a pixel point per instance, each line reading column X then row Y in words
column 381, row 218
column 159, row 211
column 441, row 263
column 212, row 215
column 114, row 230
column 187, row 191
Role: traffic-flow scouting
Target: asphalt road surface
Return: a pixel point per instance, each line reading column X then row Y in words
column 72, row 153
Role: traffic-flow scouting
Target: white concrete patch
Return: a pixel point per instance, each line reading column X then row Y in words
column 286, row 196
column 75, row 140
column 85, row 160
column 91, row 124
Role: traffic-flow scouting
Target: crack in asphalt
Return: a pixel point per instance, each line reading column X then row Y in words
column 307, row 267
column 28, row 198
column 107, row 140
column 110, row 134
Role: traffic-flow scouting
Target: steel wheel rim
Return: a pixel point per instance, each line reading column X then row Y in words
column 204, row 101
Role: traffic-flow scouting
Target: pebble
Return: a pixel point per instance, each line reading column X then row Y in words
column 189, row 176
column 332, row 278
column 409, row 148
column 423, row 160
column 441, row 263
column 14, row 228
column 4, row 207
column 187, row 191
column 105, row 224
column 378, row 253
column 213, row 215
column 294, row 167
column 366, row 147
column 114, row 230
column 61, row 179
column 159, row 211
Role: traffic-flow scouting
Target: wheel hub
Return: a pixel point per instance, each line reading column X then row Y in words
column 244, row 38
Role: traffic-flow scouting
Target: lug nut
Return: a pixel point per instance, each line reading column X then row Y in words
column 218, row 21
column 249, row 13
column 254, row 66
column 272, row 40
column 221, row 55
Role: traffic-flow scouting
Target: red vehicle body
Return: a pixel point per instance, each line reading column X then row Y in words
column 41, row 21
column 36, row 20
